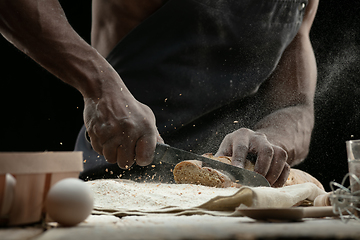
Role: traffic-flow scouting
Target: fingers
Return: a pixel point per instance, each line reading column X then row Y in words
column 96, row 145
column 271, row 162
column 126, row 151
column 126, row 154
column 235, row 145
column 265, row 152
column 271, row 159
column 145, row 148
column 117, row 150
column 110, row 151
column 97, row 135
column 124, row 135
column 240, row 152
column 277, row 165
column 240, row 143
column 225, row 148
column 283, row 176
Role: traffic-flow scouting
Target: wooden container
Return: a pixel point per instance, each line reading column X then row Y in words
column 25, row 179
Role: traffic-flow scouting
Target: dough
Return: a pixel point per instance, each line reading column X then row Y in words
column 192, row 172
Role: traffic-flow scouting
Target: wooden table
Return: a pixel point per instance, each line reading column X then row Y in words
column 188, row 227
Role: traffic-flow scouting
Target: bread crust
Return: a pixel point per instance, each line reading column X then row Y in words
column 297, row 176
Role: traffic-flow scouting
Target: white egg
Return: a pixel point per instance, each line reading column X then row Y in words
column 69, row 202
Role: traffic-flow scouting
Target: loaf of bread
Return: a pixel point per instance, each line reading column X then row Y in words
column 192, row 172
column 297, row 176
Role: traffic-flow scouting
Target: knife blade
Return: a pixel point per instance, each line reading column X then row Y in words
column 167, row 154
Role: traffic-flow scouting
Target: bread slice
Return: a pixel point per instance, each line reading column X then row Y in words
column 192, row 172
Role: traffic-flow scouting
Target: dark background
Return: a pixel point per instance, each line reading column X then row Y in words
column 40, row 113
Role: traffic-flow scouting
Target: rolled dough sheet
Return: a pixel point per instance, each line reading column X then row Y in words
column 125, row 194
column 127, row 198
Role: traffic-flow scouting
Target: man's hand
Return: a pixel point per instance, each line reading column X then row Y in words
column 121, row 129
column 271, row 159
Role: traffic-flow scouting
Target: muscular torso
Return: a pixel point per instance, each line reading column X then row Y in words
column 113, row 19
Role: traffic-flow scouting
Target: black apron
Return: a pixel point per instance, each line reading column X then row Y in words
column 193, row 62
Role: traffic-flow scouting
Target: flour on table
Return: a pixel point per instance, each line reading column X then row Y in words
column 125, row 194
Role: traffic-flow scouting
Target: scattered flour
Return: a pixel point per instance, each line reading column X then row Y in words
column 125, row 194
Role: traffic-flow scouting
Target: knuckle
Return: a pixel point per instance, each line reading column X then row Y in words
column 128, row 122
column 287, row 168
column 283, row 155
column 244, row 131
column 260, row 135
column 267, row 151
column 242, row 148
column 228, row 136
column 98, row 130
column 280, row 153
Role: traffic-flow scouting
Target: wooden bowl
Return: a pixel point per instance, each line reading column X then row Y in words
column 34, row 174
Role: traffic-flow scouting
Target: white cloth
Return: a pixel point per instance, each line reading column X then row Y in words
column 284, row 197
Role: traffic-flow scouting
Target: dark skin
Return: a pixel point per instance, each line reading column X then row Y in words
column 123, row 129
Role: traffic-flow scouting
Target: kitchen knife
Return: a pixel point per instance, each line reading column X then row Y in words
column 167, row 154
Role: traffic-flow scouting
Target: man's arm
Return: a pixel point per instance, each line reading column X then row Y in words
column 41, row 30
column 120, row 127
column 290, row 92
column 282, row 138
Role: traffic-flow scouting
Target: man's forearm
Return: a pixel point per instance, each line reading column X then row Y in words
column 40, row 29
column 289, row 96
column 289, row 128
